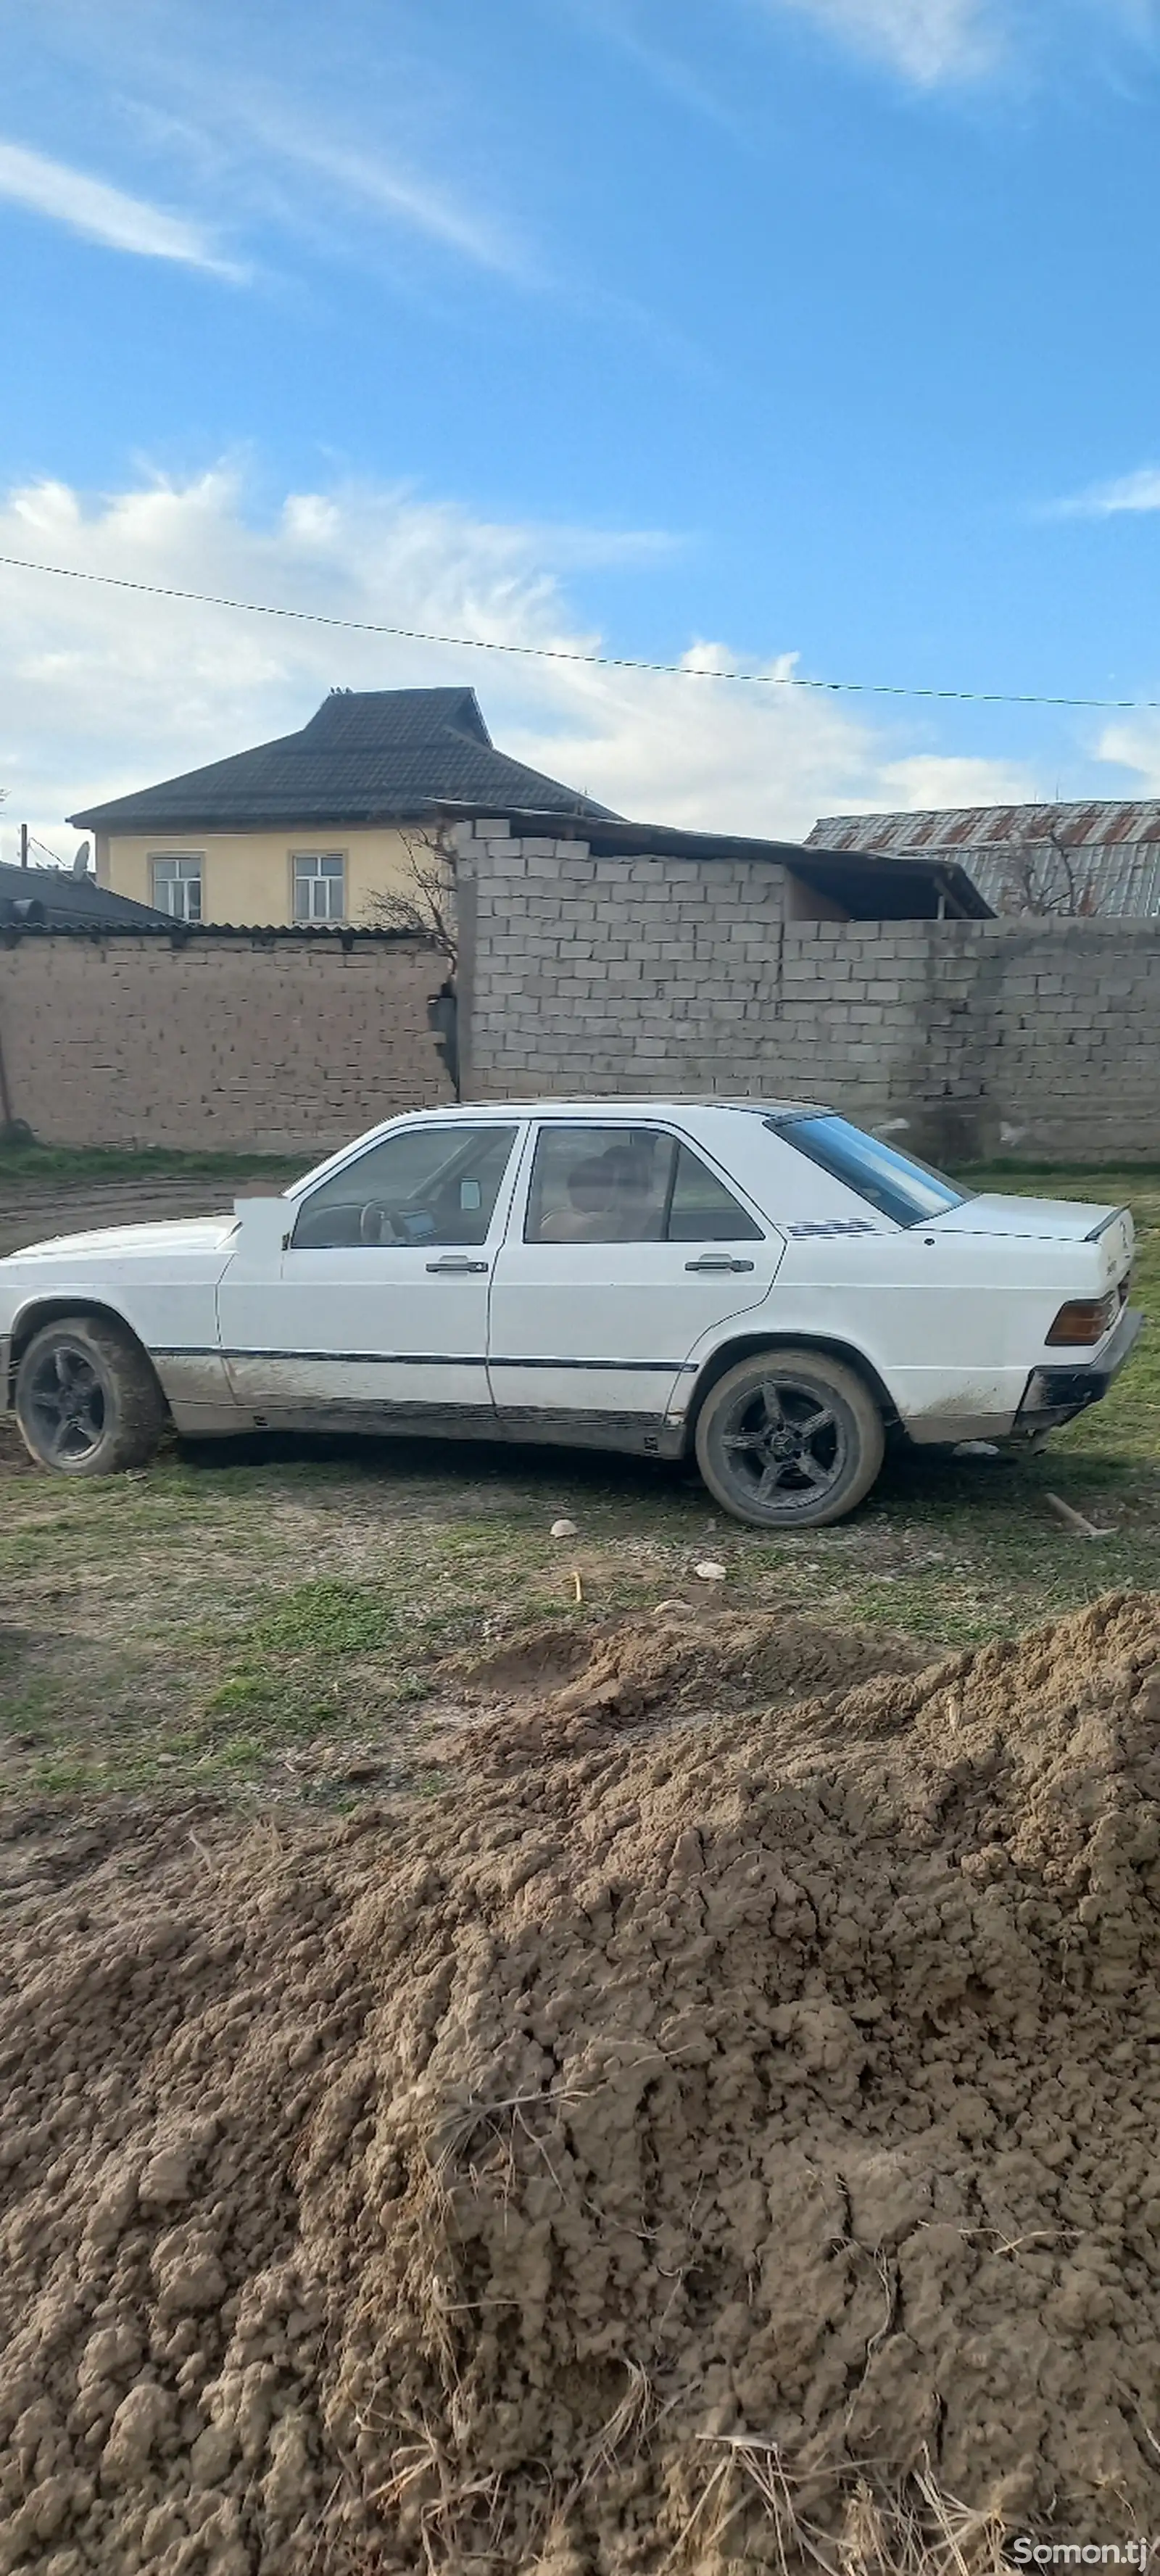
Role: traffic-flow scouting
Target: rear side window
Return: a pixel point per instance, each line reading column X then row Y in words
column 907, row 1192
column 702, row 1210
column 628, row 1185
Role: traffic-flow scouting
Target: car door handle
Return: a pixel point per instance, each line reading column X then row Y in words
column 718, row 1261
column 458, row 1264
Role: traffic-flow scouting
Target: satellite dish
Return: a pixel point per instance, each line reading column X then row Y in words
column 80, row 865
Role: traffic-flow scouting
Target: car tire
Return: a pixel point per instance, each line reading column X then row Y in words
column 789, row 1439
column 87, row 1398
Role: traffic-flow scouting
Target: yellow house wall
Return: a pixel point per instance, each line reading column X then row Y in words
column 246, row 877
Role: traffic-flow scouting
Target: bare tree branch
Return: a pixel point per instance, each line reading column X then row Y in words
column 426, row 903
column 1044, row 881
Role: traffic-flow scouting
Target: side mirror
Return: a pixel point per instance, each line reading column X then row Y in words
column 263, row 1226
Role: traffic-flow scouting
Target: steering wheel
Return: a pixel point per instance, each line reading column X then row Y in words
column 376, row 1224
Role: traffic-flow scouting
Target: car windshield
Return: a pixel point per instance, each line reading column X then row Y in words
column 894, row 1183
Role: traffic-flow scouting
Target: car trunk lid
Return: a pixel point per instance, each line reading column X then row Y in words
column 1045, row 1220
column 1109, row 1229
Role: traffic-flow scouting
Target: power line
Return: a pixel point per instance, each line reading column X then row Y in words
column 593, row 661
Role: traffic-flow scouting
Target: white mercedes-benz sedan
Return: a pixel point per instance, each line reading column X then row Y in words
column 756, row 1282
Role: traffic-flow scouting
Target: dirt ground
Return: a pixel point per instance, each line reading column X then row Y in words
column 685, row 2144
column 519, row 2059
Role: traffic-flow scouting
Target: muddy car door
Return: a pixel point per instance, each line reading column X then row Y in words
column 372, row 1309
column 625, row 1248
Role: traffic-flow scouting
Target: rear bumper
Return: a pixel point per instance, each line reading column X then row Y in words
column 1054, row 1395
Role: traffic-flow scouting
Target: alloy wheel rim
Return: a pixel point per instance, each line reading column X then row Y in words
column 784, row 1445
column 66, row 1405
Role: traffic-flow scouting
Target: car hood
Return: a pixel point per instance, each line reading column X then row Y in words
column 1048, row 1220
column 129, row 1242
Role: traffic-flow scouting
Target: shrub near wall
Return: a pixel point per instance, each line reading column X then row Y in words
column 288, row 1042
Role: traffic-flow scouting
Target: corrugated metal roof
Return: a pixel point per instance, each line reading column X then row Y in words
column 1123, row 884
column 1116, row 846
column 979, row 826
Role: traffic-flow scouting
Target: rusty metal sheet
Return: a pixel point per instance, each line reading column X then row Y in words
column 1117, row 843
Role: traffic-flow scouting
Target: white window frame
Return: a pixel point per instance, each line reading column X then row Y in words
column 163, row 890
column 315, row 859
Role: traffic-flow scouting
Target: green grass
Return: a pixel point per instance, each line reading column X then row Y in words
column 79, row 1163
column 326, row 1618
column 271, row 1623
column 1127, row 1425
column 73, row 1163
column 1067, row 1180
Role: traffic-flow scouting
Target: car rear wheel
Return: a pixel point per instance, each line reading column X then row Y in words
column 87, row 1400
column 789, row 1439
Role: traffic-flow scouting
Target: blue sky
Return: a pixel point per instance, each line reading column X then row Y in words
column 812, row 335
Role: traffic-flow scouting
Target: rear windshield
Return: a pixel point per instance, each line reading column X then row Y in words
column 906, row 1191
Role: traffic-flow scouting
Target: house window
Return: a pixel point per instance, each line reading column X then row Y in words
column 177, row 885
column 319, row 885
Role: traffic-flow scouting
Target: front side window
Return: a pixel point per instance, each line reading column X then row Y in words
column 628, row 1185
column 907, row 1192
column 177, row 885
column 431, row 1185
column 319, row 885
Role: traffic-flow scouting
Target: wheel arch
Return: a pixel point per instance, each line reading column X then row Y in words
column 53, row 1310
column 744, row 1346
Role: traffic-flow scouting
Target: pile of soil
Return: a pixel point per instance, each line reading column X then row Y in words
column 561, row 1690
column 706, row 2147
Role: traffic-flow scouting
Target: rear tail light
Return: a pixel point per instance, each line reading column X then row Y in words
column 1083, row 1322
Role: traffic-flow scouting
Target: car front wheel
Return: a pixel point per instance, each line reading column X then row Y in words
column 87, row 1400
column 789, row 1439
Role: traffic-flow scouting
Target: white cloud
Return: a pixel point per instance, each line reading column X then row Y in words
column 614, row 22
column 1134, row 745
column 374, row 141
column 930, row 780
column 1139, row 491
column 105, row 214
column 375, row 183
column 928, row 41
column 707, row 754
column 109, row 690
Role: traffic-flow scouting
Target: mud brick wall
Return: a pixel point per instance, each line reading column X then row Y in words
column 285, row 1044
column 1033, row 1038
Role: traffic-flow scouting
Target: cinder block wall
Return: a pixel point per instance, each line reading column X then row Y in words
column 1032, row 1038
column 611, row 974
column 1021, row 1037
column 288, row 1044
